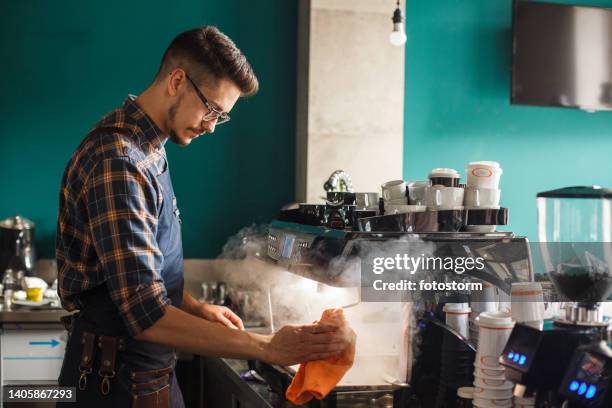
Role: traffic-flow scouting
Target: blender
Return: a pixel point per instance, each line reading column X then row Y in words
column 574, row 230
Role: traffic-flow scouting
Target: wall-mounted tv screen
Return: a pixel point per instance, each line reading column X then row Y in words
column 562, row 55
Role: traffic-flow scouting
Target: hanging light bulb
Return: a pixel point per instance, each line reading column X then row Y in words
column 398, row 35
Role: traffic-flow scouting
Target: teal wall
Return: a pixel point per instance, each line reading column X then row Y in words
column 458, row 57
column 66, row 63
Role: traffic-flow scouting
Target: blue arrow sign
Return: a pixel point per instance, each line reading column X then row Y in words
column 52, row 343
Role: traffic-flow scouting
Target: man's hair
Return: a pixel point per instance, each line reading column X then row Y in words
column 207, row 54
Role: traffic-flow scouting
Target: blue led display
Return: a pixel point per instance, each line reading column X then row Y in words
column 591, row 392
column 522, row 360
column 516, row 358
column 510, row 355
column 574, row 386
column 582, row 389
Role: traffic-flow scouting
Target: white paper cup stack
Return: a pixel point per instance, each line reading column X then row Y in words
column 457, row 317
column 482, row 190
column 394, row 192
column 483, row 174
column 491, row 389
column 528, row 303
column 484, row 300
column 528, row 308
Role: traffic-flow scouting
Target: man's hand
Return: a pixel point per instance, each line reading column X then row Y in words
column 298, row 344
column 221, row 314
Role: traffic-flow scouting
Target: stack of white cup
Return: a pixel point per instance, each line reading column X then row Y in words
column 528, row 303
column 395, row 198
column 417, row 191
column 457, row 317
column 527, row 307
column 482, row 189
column 484, row 300
column 491, row 389
column 445, row 193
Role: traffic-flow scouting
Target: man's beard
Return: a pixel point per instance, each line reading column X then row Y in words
column 171, row 116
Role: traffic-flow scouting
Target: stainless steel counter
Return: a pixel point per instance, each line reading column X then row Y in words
column 31, row 316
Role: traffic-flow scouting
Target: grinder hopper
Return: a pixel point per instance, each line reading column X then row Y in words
column 575, row 234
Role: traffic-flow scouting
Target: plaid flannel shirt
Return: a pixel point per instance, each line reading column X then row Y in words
column 109, row 204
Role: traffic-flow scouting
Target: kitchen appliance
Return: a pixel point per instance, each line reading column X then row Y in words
column 574, row 229
column 17, row 245
column 307, row 242
column 575, row 234
column 588, row 379
column 536, row 359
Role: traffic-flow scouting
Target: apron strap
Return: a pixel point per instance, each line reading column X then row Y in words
column 87, row 358
column 109, row 346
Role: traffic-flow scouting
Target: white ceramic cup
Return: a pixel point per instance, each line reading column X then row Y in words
column 527, row 302
column 483, row 174
column 404, row 208
column 444, row 198
column 477, row 197
column 394, row 190
column 494, row 331
column 457, row 317
column 417, row 191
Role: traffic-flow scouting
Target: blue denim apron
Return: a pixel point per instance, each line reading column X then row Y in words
column 98, row 314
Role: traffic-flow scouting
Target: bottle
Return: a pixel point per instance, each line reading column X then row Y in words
column 9, row 284
column 205, row 293
column 221, row 293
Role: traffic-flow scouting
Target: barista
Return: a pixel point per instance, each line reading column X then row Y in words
column 119, row 248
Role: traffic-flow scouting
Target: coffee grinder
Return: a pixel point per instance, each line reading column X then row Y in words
column 588, row 379
column 574, row 230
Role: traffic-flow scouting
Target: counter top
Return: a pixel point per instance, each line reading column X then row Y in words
column 32, row 316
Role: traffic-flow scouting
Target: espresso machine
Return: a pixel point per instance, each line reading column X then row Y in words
column 566, row 358
column 330, row 243
column 17, row 251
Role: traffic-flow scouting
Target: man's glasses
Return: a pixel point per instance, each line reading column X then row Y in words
column 213, row 113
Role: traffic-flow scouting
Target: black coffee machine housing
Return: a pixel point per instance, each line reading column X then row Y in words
column 536, row 359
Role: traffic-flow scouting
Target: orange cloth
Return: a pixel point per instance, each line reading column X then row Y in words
column 317, row 378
